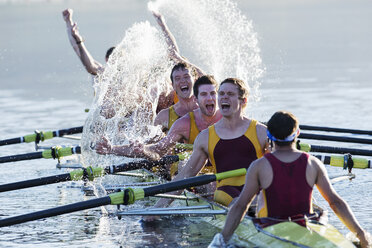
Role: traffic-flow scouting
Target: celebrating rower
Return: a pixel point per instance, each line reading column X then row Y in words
column 233, row 142
column 77, row 42
column 183, row 130
column 287, row 177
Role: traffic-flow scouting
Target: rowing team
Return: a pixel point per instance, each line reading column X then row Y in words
column 225, row 139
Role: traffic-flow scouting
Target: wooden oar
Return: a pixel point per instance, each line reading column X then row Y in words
column 89, row 173
column 55, row 152
column 335, row 138
column 41, row 136
column 126, row 197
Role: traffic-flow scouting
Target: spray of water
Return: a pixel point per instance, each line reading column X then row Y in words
column 216, row 36
column 127, row 92
column 212, row 34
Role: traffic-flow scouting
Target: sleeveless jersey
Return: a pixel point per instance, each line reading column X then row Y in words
column 225, row 155
column 194, row 131
column 289, row 194
column 173, row 116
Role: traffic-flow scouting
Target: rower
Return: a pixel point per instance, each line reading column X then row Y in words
column 93, row 67
column 233, row 142
column 287, row 177
column 77, row 42
column 183, row 130
column 182, row 83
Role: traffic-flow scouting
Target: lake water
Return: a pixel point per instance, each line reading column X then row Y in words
column 317, row 57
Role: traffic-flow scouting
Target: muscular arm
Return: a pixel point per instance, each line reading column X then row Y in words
column 179, row 131
column 171, row 41
column 193, row 166
column 338, row 205
column 174, row 52
column 90, row 64
column 240, row 207
column 262, row 137
column 162, row 119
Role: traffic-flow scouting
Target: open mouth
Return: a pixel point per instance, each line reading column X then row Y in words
column 225, row 106
column 210, row 107
column 185, row 89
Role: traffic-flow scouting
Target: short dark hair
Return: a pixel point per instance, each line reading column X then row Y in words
column 281, row 125
column 182, row 66
column 242, row 88
column 108, row 52
column 203, row 80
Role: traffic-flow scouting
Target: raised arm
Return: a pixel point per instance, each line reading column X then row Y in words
column 77, row 43
column 171, row 41
column 67, row 17
column 174, row 51
column 91, row 65
column 338, row 205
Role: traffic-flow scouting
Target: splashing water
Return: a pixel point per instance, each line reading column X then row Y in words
column 127, row 91
column 215, row 35
column 220, row 38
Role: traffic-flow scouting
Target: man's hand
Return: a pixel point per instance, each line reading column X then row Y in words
column 365, row 239
column 67, row 15
column 103, row 147
column 142, row 150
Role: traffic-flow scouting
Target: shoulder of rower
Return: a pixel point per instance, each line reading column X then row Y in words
column 162, row 118
column 261, row 134
column 182, row 126
column 201, row 141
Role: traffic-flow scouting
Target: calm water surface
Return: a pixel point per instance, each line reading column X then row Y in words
column 318, row 60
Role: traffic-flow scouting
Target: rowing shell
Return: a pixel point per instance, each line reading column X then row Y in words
column 251, row 232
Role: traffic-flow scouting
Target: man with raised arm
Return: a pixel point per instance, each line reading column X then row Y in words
column 183, row 130
column 286, row 177
column 233, row 142
column 91, row 65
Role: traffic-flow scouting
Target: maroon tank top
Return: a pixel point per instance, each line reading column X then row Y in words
column 289, row 193
column 234, row 154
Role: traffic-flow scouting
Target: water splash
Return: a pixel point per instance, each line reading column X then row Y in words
column 216, row 36
column 127, row 91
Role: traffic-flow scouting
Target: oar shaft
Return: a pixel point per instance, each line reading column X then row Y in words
column 55, row 152
column 73, row 130
column 55, row 211
column 19, row 157
column 142, row 164
column 340, row 150
column 11, row 141
column 172, row 186
column 35, row 182
column 42, row 136
column 335, row 138
column 333, row 129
